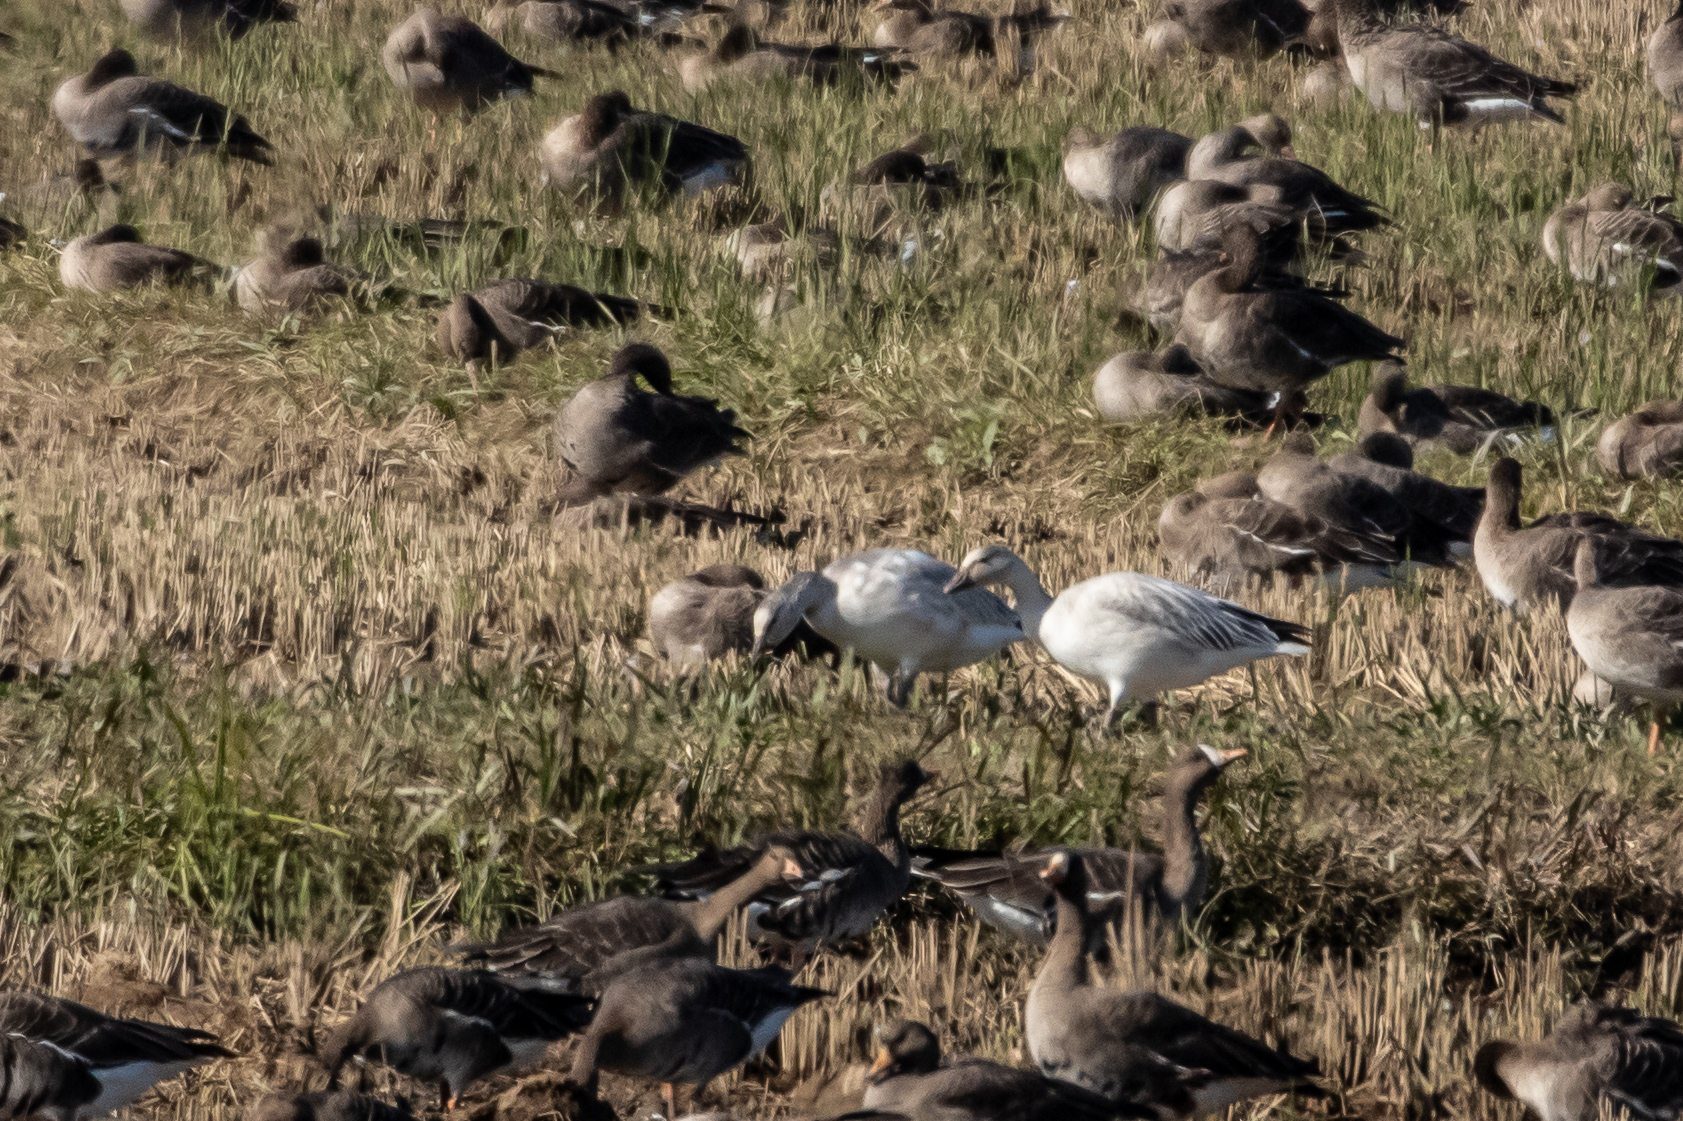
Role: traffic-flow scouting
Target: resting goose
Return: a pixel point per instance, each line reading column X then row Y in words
column 1007, row 892
column 296, row 276
column 1136, row 635
column 618, row 439
column 742, row 55
column 888, row 606
column 1665, row 58
column 1124, row 173
column 1605, row 238
column 577, row 950
column 1645, row 444
column 1525, row 567
column 448, row 63
column 1595, row 1055
column 1138, row 385
column 1225, row 156
column 1465, row 419
column 327, row 1105
column 1387, row 461
column 920, row 28
column 113, row 111
column 609, row 147
column 572, row 21
column 452, row 1027
column 1441, row 78
column 933, row 183
column 1175, row 271
column 1630, row 637
column 168, row 18
column 1201, row 211
column 909, row 1080
column 116, row 258
column 66, row 1061
column 506, row 317
column 1240, row 28
column 849, row 881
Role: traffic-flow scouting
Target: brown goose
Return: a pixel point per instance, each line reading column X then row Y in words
column 295, row 276
column 327, row 1105
column 743, row 56
column 909, row 1080
column 1595, row 1054
column 1163, row 293
column 609, row 147
column 618, row 439
column 919, row 27
column 1124, row 173
column 1606, row 238
column 1526, row 567
column 11, row 233
column 1461, row 418
column 113, row 111
column 567, row 21
column 1665, row 58
column 1631, row 638
column 1441, row 78
column 116, row 258
column 66, row 1061
column 1240, row 28
column 850, row 880
column 1647, row 443
column 710, row 613
column 506, row 317
column 447, row 63
column 452, row 1027
column 1108, row 1040
column 1139, row 385
column 1008, row 893
column 769, row 251
column 170, row 18
column 1226, row 157
column 1387, row 461
column 909, row 166
column 577, row 950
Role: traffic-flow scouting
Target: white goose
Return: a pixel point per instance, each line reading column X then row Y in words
column 1135, row 634
column 891, row 607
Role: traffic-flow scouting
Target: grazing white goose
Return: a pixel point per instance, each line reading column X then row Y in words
column 1138, row 635
column 889, row 606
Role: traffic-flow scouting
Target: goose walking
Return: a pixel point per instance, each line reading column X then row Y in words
column 1136, row 635
column 1461, row 418
column 448, row 63
column 1606, row 238
column 1596, row 1055
column 1124, row 173
column 1646, row 444
column 1631, row 638
column 114, row 111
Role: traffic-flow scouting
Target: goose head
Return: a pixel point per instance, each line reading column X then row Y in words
column 1272, row 133
column 1081, row 140
column 1066, row 872
column 1218, row 149
column 122, row 234
column 729, row 576
column 1502, row 492
column 1387, row 448
column 302, row 253
column 111, row 66
column 904, row 1047
column 1487, row 1067
column 1241, row 248
column 739, row 42
column 1607, row 196
column 1585, row 568
column 779, row 613
column 1390, row 386
column 897, row 782
column 1202, row 765
column 466, row 331
column 644, row 361
column 983, row 566
column 601, row 115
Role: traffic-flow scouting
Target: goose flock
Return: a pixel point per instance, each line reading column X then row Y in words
column 1239, row 223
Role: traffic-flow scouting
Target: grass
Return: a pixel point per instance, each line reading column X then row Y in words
column 328, row 684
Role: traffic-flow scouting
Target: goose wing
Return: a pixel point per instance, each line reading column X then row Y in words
column 1485, row 408
column 470, row 57
column 572, row 945
column 676, row 149
column 164, row 110
column 41, row 1080
column 478, row 994
column 1197, row 618
column 1182, row 1036
column 1457, row 71
column 842, row 895
column 979, row 1090
column 1637, row 237
column 1320, row 329
column 557, row 304
column 1643, row 1069
column 104, row 1041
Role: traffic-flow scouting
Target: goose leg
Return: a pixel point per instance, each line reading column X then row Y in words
column 1654, row 732
column 446, row 1100
column 669, row 1094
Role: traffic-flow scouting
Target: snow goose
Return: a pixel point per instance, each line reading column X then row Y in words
column 1124, row 173
column 187, row 18
column 1240, row 28
column 328, row 1105
column 452, row 1027
column 116, row 258
column 85, row 1063
column 1139, row 385
column 1647, row 443
column 508, row 316
column 1606, row 238
column 609, row 147
column 448, row 63
column 709, row 613
column 1441, row 78
column 1007, row 892
column 888, row 606
column 296, row 276
column 1137, row 635
column 1665, row 58
column 1595, row 1055
column 848, row 881
column 1462, row 418
column 1631, row 637
column 1226, row 156
column 1106, row 1040
column 113, row 111
column 743, row 56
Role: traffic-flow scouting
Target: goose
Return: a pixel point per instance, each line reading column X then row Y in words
column 1463, row 419
column 919, row 28
column 849, row 881
column 1440, row 77
column 1199, row 212
column 1240, row 28
column 1387, row 461
column 768, row 251
column 1165, row 42
column 1107, row 1040
column 709, row 613
column 1225, row 156
column 296, row 276
column 1526, row 567
column 1606, row 238
column 744, row 56
column 116, row 258
column 1175, row 271
column 67, row 1061
column 1007, row 892
column 578, row 950
column 11, row 233
column 448, row 63
column 1665, row 58
column 932, row 183
column 618, row 439
column 1227, row 532
column 908, row 1079
column 685, row 1020
column 452, row 1027
column 888, row 606
column 113, row 111
column 567, row 21
column 1122, row 174
column 1645, row 444
column 1629, row 637
column 1595, row 1054
column 1274, row 340
column 328, row 1105
column 506, row 317
column 609, row 146
column 1138, row 385
column 185, row 18
column 1136, row 635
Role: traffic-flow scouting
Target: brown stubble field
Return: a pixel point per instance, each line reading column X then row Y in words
column 329, row 683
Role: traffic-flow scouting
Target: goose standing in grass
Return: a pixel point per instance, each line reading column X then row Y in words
column 294, row 276
column 1646, row 444
column 1240, row 28
column 186, row 18
column 1136, row 635
column 1138, row 385
column 327, row 1105
column 710, row 613
column 1631, row 638
column 1462, row 418
column 610, row 147
column 447, row 63
column 113, row 111
column 743, row 56
column 1008, row 893
column 1226, row 157
column 1596, row 1055
column 579, row 949
column 64, row 1060
column 1440, row 77
column 888, row 606
column 1108, row 1040
column 116, row 258
column 848, row 881
column 1665, row 58
column 1124, row 173
column 452, row 1027
column 1606, row 238
column 506, row 317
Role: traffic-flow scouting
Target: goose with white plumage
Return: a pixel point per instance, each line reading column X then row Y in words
column 1137, row 635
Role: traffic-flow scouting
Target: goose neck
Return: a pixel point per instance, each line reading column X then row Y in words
column 1033, row 600
column 1186, row 869
column 1065, row 967
column 881, row 827
column 708, row 916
